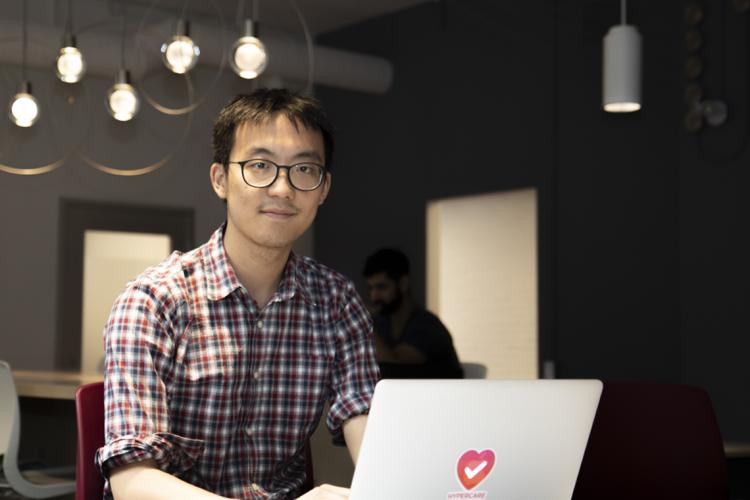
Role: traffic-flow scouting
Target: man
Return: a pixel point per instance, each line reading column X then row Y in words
column 219, row 361
column 410, row 342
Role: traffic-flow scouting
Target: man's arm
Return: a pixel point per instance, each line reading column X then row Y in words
column 144, row 481
column 354, row 430
column 138, row 346
column 401, row 354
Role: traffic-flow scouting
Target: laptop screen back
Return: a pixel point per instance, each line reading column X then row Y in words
column 472, row 439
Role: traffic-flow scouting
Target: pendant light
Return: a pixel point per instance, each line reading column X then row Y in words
column 23, row 108
column 621, row 82
column 70, row 65
column 122, row 98
column 180, row 53
column 249, row 57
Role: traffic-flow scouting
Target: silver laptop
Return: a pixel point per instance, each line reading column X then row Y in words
column 475, row 439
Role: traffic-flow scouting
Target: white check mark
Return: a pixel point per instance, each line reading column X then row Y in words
column 470, row 473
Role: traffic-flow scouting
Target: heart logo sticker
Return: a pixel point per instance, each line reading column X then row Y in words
column 474, row 466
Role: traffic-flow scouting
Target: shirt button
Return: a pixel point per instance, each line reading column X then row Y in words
column 260, row 323
column 256, row 374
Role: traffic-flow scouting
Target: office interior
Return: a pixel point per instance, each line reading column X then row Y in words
column 639, row 218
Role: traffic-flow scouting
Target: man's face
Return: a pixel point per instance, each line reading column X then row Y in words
column 385, row 293
column 274, row 216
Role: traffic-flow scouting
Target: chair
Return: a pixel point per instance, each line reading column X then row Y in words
column 90, row 423
column 36, row 483
column 653, row 441
column 474, row 370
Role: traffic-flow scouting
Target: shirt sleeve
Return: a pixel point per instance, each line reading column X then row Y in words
column 138, row 349
column 355, row 372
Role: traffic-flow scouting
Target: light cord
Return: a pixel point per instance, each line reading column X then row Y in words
column 122, row 39
column 184, row 9
column 24, row 42
column 69, row 20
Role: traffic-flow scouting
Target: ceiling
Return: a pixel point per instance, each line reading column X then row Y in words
column 320, row 15
column 98, row 25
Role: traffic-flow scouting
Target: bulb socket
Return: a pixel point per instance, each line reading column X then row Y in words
column 182, row 28
column 123, row 76
column 251, row 28
column 25, row 87
column 69, row 40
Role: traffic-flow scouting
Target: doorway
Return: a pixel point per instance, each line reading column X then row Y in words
column 103, row 225
column 482, row 278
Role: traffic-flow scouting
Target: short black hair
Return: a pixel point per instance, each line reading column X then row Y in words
column 390, row 261
column 263, row 104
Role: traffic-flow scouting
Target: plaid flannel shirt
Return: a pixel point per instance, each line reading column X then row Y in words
column 220, row 393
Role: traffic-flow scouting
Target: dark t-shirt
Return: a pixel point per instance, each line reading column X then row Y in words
column 426, row 333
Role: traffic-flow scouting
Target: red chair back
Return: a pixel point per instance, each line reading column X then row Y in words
column 653, row 441
column 90, row 424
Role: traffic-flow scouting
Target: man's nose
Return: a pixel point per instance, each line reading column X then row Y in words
column 281, row 186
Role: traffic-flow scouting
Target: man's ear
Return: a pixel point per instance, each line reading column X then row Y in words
column 219, row 180
column 325, row 188
column 403, row 283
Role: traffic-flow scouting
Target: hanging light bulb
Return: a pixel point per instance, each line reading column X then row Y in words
column 249, row 57
column 70, row 65
column 180, row 53
column 122, row 98
column 621, row 81
column 23, row 109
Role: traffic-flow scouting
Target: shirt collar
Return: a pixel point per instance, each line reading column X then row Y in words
column 293, row 280
column 221, row 279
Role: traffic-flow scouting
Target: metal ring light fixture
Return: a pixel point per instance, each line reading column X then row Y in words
column 39, row 169
column 122, row 172
column 308, row 43
column 147, row 169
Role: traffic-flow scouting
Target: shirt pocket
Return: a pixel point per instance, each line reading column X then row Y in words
column 212, row 354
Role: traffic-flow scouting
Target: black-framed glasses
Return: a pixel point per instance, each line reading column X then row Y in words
column 261, row 173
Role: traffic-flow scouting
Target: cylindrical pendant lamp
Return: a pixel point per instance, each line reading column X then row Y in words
column 621, row 78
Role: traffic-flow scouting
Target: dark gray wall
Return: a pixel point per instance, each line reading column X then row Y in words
column 29, row 206
column 454, row 123
column 618, row 258
column 642, row 274
column 713, row 228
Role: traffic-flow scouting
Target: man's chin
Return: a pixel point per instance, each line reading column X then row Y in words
column 273, row 243
column 276, row 239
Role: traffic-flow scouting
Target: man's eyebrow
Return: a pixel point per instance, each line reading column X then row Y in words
column 253, row 153
column 302, row 155
column 311, row 154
